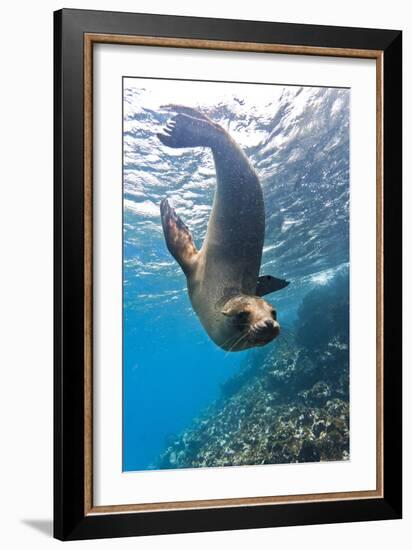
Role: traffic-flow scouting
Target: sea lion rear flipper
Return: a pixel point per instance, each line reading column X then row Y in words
column 182, row 109
column 178, row 238
column 189, row 130
column 267, row 284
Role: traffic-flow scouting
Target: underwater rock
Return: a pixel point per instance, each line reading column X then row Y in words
column 309, row 452
column 318, row 395
column 323, row 315
column 279, row 434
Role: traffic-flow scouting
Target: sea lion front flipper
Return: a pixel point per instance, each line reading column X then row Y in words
column 178, row 238
column 267, row 284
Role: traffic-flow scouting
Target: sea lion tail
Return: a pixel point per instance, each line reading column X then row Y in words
column 187, row 130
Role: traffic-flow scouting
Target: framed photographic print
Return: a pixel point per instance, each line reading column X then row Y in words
column 227, row 274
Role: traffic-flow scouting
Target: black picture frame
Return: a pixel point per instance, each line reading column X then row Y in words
column 71, row 521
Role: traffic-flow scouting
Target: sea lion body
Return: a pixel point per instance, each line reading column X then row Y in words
column 223, row 276
column 229, row 260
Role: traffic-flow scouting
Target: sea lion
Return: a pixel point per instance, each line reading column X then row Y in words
column 223, row 276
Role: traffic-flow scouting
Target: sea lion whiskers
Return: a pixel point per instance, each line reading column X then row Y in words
column 229, row 341
column 226, row 342
column 237, row 342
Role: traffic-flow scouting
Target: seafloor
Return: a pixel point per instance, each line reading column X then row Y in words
column 290, row 401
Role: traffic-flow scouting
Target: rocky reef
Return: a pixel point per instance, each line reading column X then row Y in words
column 290, row 401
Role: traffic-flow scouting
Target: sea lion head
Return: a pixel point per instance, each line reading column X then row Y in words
column 250, row 320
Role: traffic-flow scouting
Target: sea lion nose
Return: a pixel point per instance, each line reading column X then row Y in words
column 267, row 330
column 271, row 327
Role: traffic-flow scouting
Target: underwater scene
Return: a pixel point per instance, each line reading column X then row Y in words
column 235, row 274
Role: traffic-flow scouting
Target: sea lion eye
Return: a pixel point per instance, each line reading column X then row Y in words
column 243, row 317
column 274, row 314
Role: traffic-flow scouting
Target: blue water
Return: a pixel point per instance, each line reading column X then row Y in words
column 298, row 141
